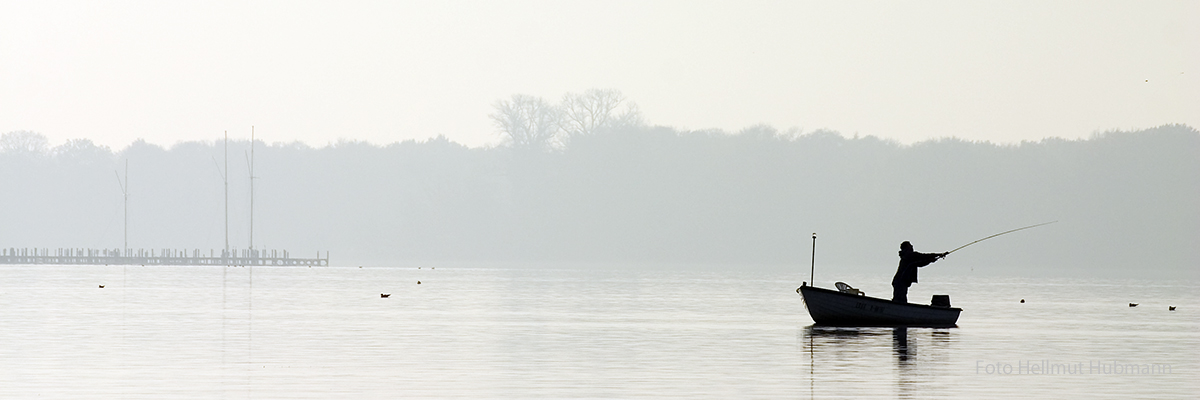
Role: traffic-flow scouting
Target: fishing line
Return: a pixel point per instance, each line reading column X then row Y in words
column 998, row 234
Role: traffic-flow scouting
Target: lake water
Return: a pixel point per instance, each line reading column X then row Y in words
column 231, row 332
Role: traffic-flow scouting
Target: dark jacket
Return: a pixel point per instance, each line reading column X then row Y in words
column 906, row 273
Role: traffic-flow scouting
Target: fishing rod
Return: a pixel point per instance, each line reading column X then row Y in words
column 998, row 234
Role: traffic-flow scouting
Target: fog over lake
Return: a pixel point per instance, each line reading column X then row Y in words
column 619, row 199
column 633, row 194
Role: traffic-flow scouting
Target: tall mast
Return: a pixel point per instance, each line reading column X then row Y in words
column 226, row 177
column 125, row 191
column 251, row 187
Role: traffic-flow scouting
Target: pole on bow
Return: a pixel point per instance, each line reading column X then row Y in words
column 813, row 267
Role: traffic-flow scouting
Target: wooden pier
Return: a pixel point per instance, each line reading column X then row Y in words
column 83, row 256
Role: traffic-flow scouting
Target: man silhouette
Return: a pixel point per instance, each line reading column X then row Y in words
column 906, row 273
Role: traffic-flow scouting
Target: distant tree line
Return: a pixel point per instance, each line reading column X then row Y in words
column 587, row 181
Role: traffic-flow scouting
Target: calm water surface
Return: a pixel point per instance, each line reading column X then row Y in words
column 217, row 332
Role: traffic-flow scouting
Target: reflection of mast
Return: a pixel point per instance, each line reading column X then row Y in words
column 125, row 191
column 811, row 359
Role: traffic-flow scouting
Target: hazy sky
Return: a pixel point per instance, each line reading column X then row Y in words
column 170, row 71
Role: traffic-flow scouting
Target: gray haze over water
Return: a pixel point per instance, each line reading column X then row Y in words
column 284, row 332
column 1126, row 202
column 580, row 250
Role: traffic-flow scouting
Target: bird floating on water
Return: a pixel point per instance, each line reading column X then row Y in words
column 418, row 282
column 102, row 287
column 1133, row 304
column 1171, row 308
column 385, row 295
column 1022, row 301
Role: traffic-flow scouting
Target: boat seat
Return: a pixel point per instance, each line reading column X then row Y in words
column 844, row 288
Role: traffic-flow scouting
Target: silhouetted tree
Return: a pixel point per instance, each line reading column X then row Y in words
column 82, row 152
column 584, row 114
column 24, row 142
column 528, row 123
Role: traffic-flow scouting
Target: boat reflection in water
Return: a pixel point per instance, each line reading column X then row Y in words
column 885, row 360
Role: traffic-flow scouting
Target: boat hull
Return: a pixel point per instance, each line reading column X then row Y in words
column 830, row 307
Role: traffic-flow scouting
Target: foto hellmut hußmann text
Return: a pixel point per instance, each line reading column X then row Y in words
column 1046, row 367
